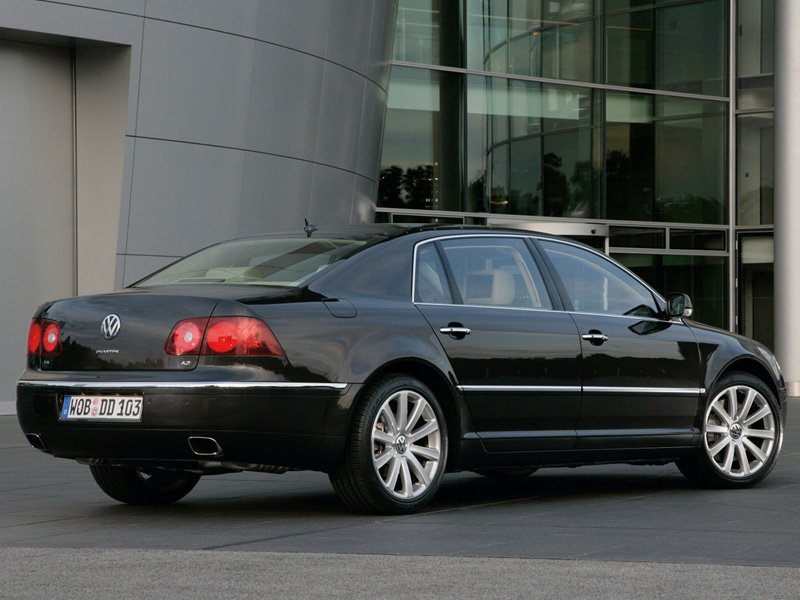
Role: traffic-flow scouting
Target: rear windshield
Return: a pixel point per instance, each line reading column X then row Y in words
column 271, row 261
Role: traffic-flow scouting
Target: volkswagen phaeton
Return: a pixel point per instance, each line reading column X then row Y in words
column 386, row 356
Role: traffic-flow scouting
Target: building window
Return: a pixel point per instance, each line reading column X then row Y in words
column 558, row 40
column 704, row 278
column 665, row 159
column 531, row 149
column 673, row 46
column 754, row 169
column 757, row 287
column 428, row 32
column 756, row 53
column 420, row 160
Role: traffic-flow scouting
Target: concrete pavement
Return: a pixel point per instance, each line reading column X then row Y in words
column 599, row 532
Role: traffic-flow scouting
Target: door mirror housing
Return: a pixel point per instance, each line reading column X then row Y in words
column 679, row 305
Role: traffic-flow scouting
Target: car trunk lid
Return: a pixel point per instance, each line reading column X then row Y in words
column 121, row 331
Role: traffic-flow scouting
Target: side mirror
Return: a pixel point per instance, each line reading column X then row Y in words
column 679, row 305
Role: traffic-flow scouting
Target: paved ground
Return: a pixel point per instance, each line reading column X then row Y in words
column 601, row 532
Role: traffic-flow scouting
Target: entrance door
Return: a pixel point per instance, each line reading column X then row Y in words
column 36, row 202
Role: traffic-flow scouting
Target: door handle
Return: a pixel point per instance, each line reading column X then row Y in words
column 595, row 337
column 457, row 332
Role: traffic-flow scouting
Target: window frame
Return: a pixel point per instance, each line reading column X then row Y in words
column 549, row 291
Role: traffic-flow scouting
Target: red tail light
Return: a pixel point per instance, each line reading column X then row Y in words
column 44, row 337
column 34, row 337
column 240, row 336
column 230, row 336
column 186, row 337
column 51, row 338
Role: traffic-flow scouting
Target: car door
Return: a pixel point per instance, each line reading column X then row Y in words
column 641, row 371
column 516, row 359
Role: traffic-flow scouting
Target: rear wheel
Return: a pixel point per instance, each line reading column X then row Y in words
column 397, row 451
column 742, row 434
column 138, row 486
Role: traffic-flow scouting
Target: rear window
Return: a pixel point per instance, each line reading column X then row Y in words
column 271, row 261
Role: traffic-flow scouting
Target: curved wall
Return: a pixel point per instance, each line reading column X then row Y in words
column 243, row 116
column 251, row 117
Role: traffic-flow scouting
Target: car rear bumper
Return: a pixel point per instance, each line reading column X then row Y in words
column 195, row 424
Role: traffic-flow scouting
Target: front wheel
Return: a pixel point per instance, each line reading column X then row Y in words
column 138, row 486
column 397, row 450
column 742, row 434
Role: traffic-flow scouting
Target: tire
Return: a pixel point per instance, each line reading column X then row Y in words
column 137, row 486
column 742, row 434
column 507, row 474
column 397, row 449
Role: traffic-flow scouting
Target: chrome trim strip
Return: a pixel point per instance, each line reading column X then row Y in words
column 520, row 388
column 642, row 390
column 112, row 385
column 576, row 388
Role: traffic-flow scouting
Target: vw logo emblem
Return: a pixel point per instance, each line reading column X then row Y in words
column 110, row 326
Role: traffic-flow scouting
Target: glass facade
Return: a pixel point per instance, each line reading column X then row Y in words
column 531, row 148
column 620, row 112
column 665, row 159
column 556, row 40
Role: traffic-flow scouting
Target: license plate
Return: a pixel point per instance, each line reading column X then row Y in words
column 102, row 408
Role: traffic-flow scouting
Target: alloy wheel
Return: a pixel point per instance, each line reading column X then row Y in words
column 740, row 430
column 406, row 444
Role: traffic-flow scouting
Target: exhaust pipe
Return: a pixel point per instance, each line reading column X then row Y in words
column 35, row 440
column 204, row 446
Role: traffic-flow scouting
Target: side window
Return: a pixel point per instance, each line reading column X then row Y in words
column 495, row 271
column 430, row 284
column 596, row 285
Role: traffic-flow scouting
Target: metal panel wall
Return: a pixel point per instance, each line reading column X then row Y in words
column 36, row 205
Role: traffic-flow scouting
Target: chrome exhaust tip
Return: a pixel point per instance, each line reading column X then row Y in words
column 35, row 440
column 204, row 446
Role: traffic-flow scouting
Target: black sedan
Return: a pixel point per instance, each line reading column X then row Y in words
column 387, row 355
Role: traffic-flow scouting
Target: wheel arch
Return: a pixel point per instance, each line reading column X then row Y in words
column 753, row 367
column 455, row 412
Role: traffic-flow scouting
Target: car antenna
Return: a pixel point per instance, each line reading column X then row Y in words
column 309, row 228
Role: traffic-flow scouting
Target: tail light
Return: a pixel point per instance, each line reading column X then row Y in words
column 186, row 337
column 44, row 337
column 34, row 337
column 223, row 336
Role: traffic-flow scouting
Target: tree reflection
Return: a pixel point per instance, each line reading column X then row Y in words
column 412, row 188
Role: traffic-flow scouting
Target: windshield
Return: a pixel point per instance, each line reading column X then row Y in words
column 267, row 261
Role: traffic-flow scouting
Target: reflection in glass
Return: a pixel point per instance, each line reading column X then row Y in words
column 540, row 38
column 665, row 159
column 420, row 156
column 697, row 239
column 427, row 32
column 637, row 237
column 530, row 149
column 754, row 169
column 757, row 288
column 756, row 53
column 703, row 278
column 680, row 47
column 596, row 285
